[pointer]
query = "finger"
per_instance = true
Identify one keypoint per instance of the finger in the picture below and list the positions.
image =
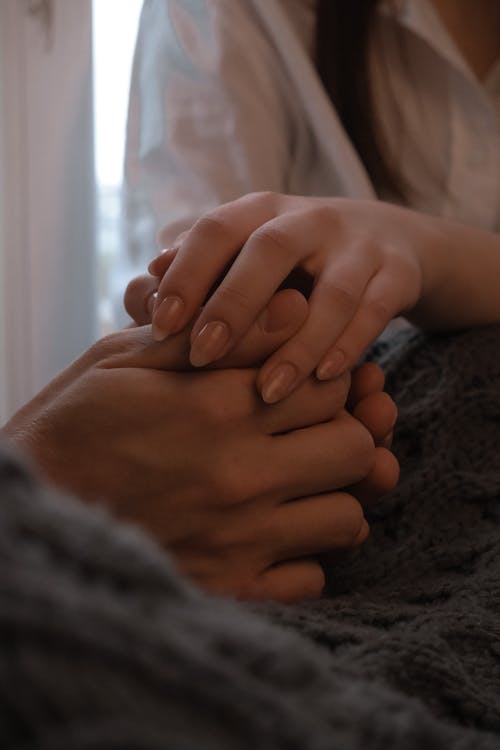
(378, 413)
(160, 265)
(310, 404)
(332, 305)
(139, 298)
(381, 480)
(135, 347)
(383, 300)
(263, 264)
(314, 525)
(282, 318)
(366, 379)
(203, 255)
(320, 458)
(289, 582)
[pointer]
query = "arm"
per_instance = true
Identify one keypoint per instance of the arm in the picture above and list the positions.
(460, 278)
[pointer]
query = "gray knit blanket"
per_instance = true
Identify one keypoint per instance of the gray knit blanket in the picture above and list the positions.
(104, 645)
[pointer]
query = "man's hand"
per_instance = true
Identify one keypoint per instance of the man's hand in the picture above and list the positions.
(283, 317)
(240, 492)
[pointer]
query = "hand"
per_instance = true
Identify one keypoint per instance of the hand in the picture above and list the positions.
(125, 350)
(284, 315)
(363, 258)
(140, 294)
(241, 493)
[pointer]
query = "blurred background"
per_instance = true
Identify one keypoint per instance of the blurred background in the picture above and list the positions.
(64, 77)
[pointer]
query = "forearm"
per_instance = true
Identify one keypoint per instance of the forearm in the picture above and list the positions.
(461, 276)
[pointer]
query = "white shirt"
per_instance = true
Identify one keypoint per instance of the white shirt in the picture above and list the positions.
(225, 100)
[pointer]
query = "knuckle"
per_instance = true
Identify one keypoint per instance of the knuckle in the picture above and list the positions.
(231, 296)
(326, 217)
(342, 294)
(379, 311)
(275, 239)
(228, 474)
(211, 227)
(215, 477)
(268, 198)
(240, 479)
(228, 482)
(110, 345)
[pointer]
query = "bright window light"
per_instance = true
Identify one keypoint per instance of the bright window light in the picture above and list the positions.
(114, 32)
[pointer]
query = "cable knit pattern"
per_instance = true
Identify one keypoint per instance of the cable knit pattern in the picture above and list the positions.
(418, 607)
(103, 645)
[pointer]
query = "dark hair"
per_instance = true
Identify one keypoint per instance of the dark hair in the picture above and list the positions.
(343, 36)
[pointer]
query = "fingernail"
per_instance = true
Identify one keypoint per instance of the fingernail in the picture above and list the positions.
(279, 383)
(331, 366)
(167, 317)
(209, 343)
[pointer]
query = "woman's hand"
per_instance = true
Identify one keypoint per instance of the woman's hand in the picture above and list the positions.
(281, 319)
(363, 258)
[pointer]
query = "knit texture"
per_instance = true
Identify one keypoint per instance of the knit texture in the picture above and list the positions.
(104, 645)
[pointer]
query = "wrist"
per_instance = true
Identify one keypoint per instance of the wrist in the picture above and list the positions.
(431, 253)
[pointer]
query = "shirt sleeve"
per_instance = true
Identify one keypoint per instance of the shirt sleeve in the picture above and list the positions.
(207, 117)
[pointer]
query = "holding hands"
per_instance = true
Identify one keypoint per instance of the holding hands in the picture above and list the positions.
(243, 495)
(361, 258)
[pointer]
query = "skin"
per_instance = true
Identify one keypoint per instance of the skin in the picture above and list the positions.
(366, 264)
(474, 28)
(369, 261)
(212, 477)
